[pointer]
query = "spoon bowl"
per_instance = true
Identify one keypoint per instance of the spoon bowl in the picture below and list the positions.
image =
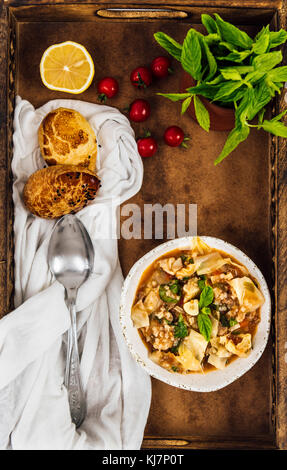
(71, 252)
(71, 260)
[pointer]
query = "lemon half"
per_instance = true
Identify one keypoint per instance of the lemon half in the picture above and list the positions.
(67, 67)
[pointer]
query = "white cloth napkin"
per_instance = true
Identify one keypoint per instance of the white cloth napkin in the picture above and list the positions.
(34, 408)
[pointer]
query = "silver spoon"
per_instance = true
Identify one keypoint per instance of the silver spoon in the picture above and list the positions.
(71, 260)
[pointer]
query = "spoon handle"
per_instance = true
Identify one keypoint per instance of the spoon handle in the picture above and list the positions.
(73, 381)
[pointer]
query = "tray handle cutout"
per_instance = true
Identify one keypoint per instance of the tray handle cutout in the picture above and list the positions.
(141, 13)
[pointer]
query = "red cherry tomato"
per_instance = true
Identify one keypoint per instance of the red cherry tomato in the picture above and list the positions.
(107, 88)
(139, 110)
(141, 77)
(147, 146)
(160, 66)
(173, 136)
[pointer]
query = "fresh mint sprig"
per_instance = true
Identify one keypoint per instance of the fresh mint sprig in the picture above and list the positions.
(231, 68)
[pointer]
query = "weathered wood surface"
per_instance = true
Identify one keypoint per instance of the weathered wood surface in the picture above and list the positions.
(258, 4)
(254, 386)
(281, 277)
(6, 212)
(211, 443)
(184, 12)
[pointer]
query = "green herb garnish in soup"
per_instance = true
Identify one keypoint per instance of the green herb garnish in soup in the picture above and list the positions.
(166, 293)
(180, 330)
(197, 309)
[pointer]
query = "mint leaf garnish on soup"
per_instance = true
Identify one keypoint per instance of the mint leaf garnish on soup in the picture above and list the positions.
(204, 325)
(206, 297)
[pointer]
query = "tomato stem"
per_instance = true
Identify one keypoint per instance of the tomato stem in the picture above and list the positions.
(102, 97)
(183, 143)
(140, 82)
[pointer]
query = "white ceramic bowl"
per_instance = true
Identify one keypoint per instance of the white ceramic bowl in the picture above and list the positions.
(198, 382)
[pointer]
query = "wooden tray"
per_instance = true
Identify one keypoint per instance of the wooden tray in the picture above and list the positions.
(243, 200)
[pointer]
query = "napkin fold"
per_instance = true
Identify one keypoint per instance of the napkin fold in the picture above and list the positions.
(34, 405)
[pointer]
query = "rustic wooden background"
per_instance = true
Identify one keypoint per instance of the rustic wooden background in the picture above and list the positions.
(249, 210)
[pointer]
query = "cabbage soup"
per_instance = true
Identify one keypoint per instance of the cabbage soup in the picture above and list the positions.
(197, 309)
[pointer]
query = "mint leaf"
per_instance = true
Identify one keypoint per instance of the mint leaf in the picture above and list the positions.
(239, 69)
(191, 55)
(227, 46)
(180, 330)
(175, 96)
(261, 115)
(254, 77)
(265, 62)
(233, 35)
(235, 137)
(215, 81)
(230, 74)
(206, 310)
(277, 38)
(274, 127)
(206, 297)
(263, 31)
(202, 115)
(169, 44)
(278, 75)
(236, 56)
(209, 23)
(209, 58)
(262, 96)
(232, 69)
(226, 89)
(185, 104)
(243, 111)
(279, 116)
(274, 87)
(236, 96)
(204, 89)
(261, 41)
(212, 39)
(242, 69)
(204, 325)
(201, 284)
